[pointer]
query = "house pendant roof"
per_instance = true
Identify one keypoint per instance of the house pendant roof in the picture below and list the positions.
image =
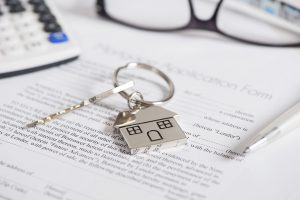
(143, 115)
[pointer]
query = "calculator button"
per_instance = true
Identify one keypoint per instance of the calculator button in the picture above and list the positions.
(4, 23)
(28, 30)
(47, 17)
(24, 21)
(9, 41)
(13, 50)
(31, 35)
(12, 2)
(58, 37)
(6, 38)
(52, 27)
(22, 16)
(16, 8)
(24, 26)
(6, 31)
(35, 45)
(41, 8)
(36, 2)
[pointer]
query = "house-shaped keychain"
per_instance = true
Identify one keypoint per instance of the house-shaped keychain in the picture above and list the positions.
(150, 128)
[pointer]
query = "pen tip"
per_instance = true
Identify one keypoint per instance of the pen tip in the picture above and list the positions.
(247, 150)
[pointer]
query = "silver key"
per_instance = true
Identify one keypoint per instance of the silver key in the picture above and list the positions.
(83, 103)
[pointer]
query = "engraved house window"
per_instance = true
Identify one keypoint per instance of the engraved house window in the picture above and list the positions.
(164, 124)
(134, 130)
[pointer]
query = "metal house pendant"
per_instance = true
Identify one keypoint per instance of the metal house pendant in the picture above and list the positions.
(149, 129)
(146, 126)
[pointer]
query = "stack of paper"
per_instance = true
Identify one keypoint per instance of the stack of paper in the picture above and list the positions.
(225, 93)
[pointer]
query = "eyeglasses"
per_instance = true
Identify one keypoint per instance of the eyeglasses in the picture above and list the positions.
(235, 19)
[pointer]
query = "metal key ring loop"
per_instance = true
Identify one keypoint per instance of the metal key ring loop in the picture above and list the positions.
(135, 65)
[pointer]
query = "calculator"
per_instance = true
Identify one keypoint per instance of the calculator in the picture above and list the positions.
(32, 37)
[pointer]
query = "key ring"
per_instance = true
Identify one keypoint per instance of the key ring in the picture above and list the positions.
(145, 126)
(141, 102)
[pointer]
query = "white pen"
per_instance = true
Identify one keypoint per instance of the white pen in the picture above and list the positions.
(282, 125)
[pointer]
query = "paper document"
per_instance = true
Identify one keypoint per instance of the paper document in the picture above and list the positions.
(225, 93)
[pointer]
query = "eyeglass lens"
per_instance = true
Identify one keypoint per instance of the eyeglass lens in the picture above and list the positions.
(243, 19)
(152, 14)
(240, 19)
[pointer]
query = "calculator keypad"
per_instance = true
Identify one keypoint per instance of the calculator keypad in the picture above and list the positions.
(27, 26)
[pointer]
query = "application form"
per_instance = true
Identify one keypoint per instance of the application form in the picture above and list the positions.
(225, 93)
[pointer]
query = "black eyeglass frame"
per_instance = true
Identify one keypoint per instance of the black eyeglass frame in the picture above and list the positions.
(194, 23)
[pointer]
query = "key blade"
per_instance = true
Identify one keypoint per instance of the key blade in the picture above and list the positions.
(53, 116)
(81, 104)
